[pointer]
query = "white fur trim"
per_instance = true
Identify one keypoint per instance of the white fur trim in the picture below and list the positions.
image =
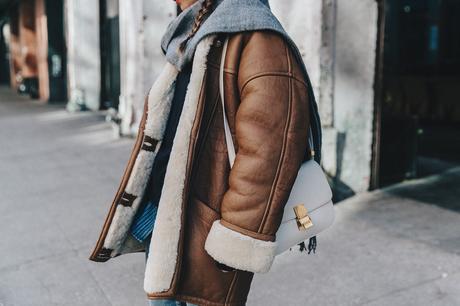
(136, 185)
(160, 98)
(159, 106)
(239, 251)
(161, 263)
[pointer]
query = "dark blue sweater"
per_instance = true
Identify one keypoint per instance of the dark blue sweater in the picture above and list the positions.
(153, 191)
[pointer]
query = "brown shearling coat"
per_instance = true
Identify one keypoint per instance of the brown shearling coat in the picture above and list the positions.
(208, 212)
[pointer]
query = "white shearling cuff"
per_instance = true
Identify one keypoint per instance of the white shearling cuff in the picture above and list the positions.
(239, 251)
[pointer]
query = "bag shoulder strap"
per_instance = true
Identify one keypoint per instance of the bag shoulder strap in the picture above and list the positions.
(228, 134)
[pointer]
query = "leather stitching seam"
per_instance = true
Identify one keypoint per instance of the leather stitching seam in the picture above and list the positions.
(273, 73)
(283, 150)
(252, 234)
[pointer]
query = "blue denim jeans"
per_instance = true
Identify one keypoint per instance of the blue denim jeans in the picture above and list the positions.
(161, 302)
(167, 303)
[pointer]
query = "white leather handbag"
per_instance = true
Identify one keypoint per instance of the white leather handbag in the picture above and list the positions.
(309, 209)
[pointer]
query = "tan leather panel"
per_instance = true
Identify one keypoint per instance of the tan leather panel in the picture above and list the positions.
(197, 265)
(260, 126)
(264, 52)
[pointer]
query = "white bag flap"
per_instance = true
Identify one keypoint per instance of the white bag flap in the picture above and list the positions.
(310, 188)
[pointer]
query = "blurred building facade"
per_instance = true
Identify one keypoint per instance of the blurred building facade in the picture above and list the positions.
(34, 44)
(89, 54)
(384, 72)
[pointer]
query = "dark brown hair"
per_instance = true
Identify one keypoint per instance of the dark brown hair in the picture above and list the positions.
(204, 11)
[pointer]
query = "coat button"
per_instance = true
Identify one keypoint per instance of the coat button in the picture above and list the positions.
(218, 43)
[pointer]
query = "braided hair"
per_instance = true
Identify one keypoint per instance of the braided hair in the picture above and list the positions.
(204, 11)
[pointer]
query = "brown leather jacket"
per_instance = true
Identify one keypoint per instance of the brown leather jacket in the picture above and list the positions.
(227, 216)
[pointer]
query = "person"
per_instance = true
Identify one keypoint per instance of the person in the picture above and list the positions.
(207, 227)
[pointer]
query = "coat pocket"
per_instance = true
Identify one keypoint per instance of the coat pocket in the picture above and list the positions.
(199, 270)
(202, 211)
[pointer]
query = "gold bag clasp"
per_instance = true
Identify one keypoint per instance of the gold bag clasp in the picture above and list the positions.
(303, 219)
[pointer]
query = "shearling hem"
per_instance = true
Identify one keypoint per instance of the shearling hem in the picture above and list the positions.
(239, 251)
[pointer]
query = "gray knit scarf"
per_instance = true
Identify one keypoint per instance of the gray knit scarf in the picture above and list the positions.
(231, 16)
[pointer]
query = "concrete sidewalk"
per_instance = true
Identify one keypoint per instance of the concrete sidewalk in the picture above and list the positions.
(59, 171)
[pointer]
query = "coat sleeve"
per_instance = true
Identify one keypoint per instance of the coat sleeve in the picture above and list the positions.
(271, 128)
